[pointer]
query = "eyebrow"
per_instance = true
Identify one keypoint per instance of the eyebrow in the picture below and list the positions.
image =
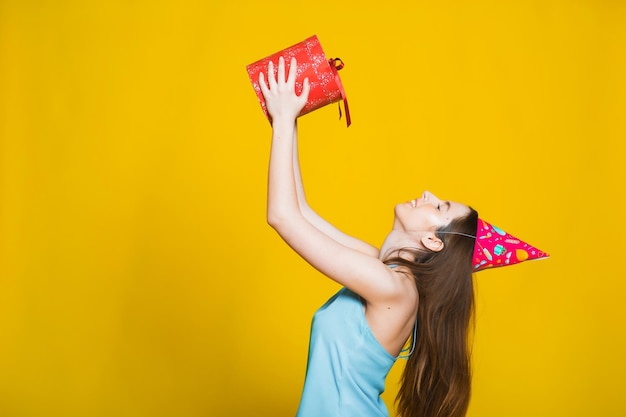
(447, 204)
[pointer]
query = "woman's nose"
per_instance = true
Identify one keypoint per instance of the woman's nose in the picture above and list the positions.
(429, 197)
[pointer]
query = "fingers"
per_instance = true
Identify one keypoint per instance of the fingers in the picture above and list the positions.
(293, 65)
(262, 84)
(274, 85)
(270, 75)
(280, 76)
(281, 70)
(306, 88)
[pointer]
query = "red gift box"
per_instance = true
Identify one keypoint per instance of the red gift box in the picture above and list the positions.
(326, 87)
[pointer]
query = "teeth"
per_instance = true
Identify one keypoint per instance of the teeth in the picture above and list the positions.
(413, 203)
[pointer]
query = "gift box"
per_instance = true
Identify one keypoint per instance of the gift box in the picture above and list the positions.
(323, 75)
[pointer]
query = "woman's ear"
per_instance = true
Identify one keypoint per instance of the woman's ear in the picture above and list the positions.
(432, 242)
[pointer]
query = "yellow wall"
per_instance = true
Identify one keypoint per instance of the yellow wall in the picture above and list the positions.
(138, 276)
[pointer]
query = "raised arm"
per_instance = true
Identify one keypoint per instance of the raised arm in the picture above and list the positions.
(325, 249)
(319, 222)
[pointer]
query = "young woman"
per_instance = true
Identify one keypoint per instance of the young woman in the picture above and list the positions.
(416, 290)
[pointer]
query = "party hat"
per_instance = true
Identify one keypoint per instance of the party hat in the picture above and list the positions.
(495, 247)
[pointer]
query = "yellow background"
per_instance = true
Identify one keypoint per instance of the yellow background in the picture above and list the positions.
(138, 276)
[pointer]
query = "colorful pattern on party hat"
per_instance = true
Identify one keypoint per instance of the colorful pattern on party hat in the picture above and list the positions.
(495, 247)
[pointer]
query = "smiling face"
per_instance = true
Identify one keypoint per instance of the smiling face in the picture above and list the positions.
(427, 213)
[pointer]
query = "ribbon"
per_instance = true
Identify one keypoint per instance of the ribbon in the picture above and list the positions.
(335, 65)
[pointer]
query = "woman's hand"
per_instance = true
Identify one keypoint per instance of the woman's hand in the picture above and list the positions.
(281, 99)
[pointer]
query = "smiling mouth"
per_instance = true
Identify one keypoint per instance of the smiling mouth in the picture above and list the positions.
(413, 203)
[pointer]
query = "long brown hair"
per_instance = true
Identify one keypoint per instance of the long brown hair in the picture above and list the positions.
(436, 381)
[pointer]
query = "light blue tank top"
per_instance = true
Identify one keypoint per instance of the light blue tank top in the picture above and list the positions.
(347, 366)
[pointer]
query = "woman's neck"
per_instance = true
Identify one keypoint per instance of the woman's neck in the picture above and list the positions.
(394, 242)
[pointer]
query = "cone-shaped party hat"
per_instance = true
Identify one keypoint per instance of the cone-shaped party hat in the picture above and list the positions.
(495, 247)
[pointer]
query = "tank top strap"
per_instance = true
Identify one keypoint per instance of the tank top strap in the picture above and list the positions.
(412, 347)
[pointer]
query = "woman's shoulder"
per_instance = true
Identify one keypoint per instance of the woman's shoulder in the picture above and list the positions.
(391, 320)
(401, 291)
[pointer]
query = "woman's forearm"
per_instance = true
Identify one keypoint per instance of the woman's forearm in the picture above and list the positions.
(302, 202)
(282, 198)
(315, 219)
